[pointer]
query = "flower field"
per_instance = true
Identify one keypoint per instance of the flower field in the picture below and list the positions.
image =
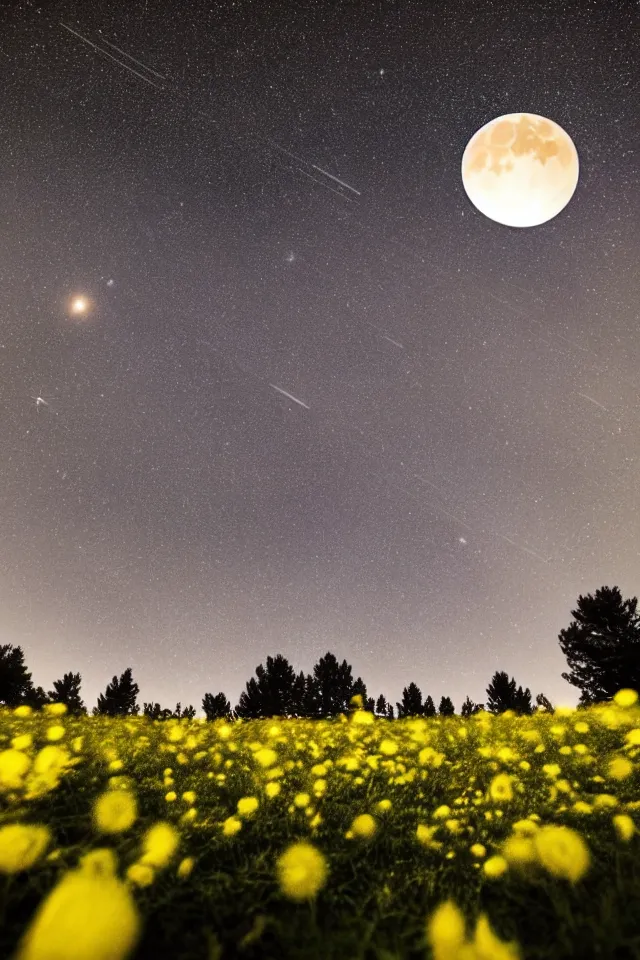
(486, 838)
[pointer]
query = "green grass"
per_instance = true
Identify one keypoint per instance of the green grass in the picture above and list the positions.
(379, 892)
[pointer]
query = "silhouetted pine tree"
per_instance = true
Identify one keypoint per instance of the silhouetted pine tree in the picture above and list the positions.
(270, 694)
(446, 708)
(119, 699)
(543, 703)
(411, 704)
(522, 701)
(469, 708)
(360, 687)
(602, 645)
(154, 711)
(188, 713)
(389, 711)
(67, 691)
(335, 683)
(15, 680)
(381, 706)
(311, 698)
(217, 707)
(502, 695)
(429, 707)
(35, 697)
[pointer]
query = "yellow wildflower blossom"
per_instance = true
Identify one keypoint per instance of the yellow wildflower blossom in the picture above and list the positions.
(302, 871)
(21, 844)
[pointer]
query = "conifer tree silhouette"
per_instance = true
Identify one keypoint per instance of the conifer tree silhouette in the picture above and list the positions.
(411, 704)
(119, 699)
(602, 645)
(67, 691)
(446, 708)
(270, 693)
(429, 707)
(217, 707)
(15, 679)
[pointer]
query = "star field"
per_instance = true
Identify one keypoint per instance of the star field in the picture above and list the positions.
(298, 394)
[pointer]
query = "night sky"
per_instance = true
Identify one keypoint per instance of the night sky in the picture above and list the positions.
(463, 461)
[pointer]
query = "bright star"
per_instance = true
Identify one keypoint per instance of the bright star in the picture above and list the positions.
(79, 305)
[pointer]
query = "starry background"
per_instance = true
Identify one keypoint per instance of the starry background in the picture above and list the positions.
(438, 508)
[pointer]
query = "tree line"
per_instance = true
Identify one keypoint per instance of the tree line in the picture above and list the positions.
(601, 645)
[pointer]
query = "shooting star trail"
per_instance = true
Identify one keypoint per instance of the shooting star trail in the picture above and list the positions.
(591, 400)
(519, 546)
(325, 185)
(394, 342)
(289, 395)
(341, 182)
(140, 64)
(105, 53)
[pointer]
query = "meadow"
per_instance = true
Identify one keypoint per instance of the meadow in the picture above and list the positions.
(486, 838)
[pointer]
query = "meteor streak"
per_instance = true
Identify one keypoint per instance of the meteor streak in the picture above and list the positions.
(289, 395)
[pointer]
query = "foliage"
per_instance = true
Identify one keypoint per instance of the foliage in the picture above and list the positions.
(446, 707)
(411, 705)
(67, 691)
(602, 645)
(15, 680)
(502, 695)
(120, 697)
(492, 835)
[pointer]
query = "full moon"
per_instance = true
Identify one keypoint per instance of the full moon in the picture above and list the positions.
(520, 169)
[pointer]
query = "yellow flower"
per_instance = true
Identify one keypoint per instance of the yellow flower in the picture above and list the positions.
(384, 805)
(302, 871)
(620, 768)
(189, 796)
(55, 709)
(625, 827)
(56, 733)
(364, 826)
(425, 836)
(363, 718)
(478, 850)
(519, 849)
(446, 931)
(160, 842)
(302, 800)
(487, 946)
(495, 866)
(266, 757)
(500, 788)
(140, 874)
(85, 917)
(603, 801)
(231, 826)
(388, 747)
(633, 737)
(272, 790)
(626, 698)
(115, 811)
(247, 806)
(442, 812)
(21, 844)
(185, 867)
(562, 852)
(23, 711)
(13, 766)
(22, 742)
(171, 796)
